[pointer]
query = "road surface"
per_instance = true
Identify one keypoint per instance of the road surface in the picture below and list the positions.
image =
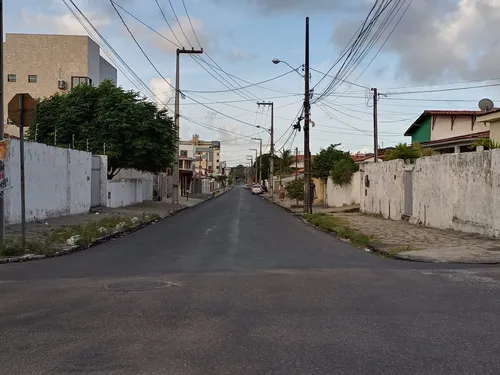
(239, 286)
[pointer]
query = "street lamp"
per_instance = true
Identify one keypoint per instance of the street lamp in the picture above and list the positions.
(277, 61)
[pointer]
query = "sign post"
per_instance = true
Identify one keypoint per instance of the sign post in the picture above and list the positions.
(21, 112)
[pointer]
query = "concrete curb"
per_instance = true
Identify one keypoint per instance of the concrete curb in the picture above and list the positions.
(106, 238)
(370, 248)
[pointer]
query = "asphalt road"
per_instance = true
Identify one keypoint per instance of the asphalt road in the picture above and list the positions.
(239, 286)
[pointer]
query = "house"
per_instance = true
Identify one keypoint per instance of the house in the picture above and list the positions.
(448, 131)
(492, 118)
(186, 165)
(43, 65)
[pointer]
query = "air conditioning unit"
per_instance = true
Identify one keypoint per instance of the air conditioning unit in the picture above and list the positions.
(61, 84)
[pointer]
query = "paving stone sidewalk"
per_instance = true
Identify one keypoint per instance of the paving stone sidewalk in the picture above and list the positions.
(403, 240)
(35, 229)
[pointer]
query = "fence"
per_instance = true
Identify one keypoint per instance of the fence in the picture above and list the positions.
(338, 196)
(61, 182)
(57, 182)
(452, 191)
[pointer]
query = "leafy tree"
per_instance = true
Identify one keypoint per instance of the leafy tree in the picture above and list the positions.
(342, 171)
(266, 165)
(286, 162)
(238, 173)
(295, 189)
(132, 130)
(424, 151)
(324, 161)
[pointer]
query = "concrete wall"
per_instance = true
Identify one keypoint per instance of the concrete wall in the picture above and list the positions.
(382, 189)
(93, 62)
(459, 191)
(107, 71)
(338, 196)
(57, 182)
(123, 193)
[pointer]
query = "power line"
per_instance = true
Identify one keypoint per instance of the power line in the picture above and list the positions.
(443, 90)
(189, 19)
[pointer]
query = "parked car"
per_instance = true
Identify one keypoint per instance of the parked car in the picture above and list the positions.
(257, 189)
(247, 187)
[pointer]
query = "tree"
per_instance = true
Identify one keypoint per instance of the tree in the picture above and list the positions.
(238, 173)
(285, 162)
(266, 165)
(132, 130)
(402, 151)
(324, 161)
(487, 143)
(295, 189)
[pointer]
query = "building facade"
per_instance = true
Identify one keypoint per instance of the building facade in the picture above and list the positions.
(207, 157)
(448, 131)
(43, 65)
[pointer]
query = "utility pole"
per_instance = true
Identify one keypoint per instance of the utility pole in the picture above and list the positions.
(251, 164)
(375, 125)
(260, 158)
(271, 172)
(296, 157)
(2, 218)
(175, 189)
(307, 118)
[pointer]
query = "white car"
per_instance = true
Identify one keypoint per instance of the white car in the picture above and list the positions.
(257, 189)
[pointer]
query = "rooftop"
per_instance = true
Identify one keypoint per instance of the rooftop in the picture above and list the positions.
(433, 112)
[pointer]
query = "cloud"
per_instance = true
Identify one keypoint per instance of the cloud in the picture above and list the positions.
(163, 92)
(273, 7)
(237, 55)
(442, 40)
(183, 35)
(61, 23)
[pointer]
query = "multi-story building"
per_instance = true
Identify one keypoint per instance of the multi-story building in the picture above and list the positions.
(207, 156)
(43, 65)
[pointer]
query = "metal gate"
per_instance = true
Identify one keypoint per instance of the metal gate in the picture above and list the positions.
(95, 182)
(408, 186)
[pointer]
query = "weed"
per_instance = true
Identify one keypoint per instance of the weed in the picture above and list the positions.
(340, 227)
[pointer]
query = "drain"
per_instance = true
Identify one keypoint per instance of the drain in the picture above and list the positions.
(141, 285)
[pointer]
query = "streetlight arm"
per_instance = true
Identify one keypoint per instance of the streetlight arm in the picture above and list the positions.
(277, 61)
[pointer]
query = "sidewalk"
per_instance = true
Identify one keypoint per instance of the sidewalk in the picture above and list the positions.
(48, 237)
(402, 240)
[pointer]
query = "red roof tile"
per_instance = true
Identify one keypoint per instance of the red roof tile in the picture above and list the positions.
(479, 135)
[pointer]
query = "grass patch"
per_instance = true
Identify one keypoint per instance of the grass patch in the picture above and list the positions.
(340, 227)
(54, 240)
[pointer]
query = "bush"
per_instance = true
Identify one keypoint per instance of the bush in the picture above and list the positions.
(343, 170)
(295, 189)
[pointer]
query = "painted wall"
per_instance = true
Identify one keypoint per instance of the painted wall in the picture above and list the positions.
(462, 126)
(57, 182)
(338, 196)
(423, 132)
(382, 191)
(107, 71)
(123, 193)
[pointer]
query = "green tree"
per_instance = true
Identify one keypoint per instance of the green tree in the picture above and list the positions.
(238, 173)
(285, 166)
(402, 151)
(266, 165)
(487, 143)
(295, 189)
(336, 164)
(132, 130)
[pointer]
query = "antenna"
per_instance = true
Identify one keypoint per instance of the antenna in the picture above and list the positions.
(485, 105)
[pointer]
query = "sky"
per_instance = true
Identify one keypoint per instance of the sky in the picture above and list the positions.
(437, 45)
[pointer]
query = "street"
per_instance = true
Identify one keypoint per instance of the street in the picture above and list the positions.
(238, 285)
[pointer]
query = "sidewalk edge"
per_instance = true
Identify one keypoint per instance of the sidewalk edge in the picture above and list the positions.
(106, 238)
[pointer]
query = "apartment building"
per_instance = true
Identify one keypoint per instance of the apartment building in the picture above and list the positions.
(206, 156)
(43, 65)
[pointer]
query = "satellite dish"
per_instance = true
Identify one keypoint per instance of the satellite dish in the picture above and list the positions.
(485, 105)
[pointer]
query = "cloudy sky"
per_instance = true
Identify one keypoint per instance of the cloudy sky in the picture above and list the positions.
(439, 44)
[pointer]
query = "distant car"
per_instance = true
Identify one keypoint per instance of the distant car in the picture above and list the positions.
(257, 189)
(247, 186)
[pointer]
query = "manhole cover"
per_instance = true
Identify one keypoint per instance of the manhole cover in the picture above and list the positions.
(139, 285)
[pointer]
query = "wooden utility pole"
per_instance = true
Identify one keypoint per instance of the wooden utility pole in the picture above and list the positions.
(271, 172)
(175, 189)
(307, 118)
(375, 125)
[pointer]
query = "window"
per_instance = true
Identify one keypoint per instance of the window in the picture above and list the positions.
(32, 78)
(184, 153)
(217, 160)
(11, 78)
(75, 81)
